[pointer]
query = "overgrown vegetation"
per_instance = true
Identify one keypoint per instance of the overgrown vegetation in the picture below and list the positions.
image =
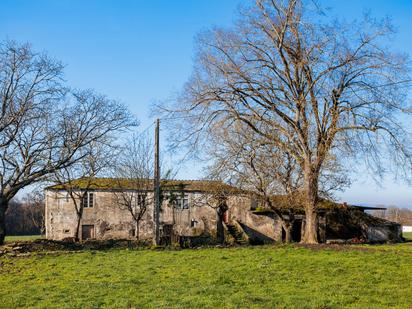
(253, 277)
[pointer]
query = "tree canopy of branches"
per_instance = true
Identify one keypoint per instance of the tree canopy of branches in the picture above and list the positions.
(268, 173)
(135, 164)
(96, 159)
(310, 87)
(44, 126)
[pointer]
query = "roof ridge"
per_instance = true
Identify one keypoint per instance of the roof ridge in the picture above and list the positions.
(116, 183)
(126, 178)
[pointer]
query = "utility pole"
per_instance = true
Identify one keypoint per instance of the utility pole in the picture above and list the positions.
(157, 185)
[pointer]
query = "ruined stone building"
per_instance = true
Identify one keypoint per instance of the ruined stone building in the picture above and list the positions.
(198, 210)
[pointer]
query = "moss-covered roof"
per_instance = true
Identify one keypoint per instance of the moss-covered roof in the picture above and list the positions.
(282, 202)
(146, 184)
(210, 186)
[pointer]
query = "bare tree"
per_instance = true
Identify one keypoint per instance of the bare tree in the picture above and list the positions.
(271, 175)
(310, 87)
(395, 214)
(268, 174)
(44, 127)
(216, 195)
(78, 179)
(133, 172)
(35, 208)
(26, 216)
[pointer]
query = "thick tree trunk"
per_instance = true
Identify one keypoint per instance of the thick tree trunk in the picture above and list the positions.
(310, 199)
(311, 227)
(3, 208)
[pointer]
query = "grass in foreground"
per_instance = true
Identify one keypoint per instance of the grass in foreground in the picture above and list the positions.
(253, 277)
(22, 238)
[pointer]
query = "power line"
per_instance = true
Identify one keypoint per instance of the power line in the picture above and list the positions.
(179, 117)
(145, 130)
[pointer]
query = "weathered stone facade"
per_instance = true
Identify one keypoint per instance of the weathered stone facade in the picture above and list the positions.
(199, 218)
(108, 220)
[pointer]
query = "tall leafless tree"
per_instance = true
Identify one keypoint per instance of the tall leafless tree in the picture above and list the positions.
(78, 179)
(310, 87)
(134, 173)
(44, 126)
(272, 176)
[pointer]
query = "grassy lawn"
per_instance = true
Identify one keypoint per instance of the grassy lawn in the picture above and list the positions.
(407, 235)
(254, 277)
(22, 238)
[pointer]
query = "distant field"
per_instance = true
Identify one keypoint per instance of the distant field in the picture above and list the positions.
(22, 238)
(251, 277)
(407, 235)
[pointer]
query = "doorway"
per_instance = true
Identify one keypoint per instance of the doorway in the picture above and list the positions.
(297, 231)
(87, 232)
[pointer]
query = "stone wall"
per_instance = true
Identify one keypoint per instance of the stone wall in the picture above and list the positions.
(258, 228)
(109, 221)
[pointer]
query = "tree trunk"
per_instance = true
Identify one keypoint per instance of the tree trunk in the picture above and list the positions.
(310, 199)
(220, 231)
(288, 233)
(137, 230)
(76, 235)
(311, 227)
(3, 208)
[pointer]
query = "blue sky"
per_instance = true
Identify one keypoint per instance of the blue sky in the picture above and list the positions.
(141, 52)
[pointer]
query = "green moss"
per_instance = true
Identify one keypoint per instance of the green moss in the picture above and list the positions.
(145, 184)
(260, 210)
(251, 277)
(22, 238)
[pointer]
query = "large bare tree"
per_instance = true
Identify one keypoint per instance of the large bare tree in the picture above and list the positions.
(307, 85)
(272, 176)
(43, 125)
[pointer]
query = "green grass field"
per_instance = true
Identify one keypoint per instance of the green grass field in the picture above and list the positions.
(252, 277)
(408, 235)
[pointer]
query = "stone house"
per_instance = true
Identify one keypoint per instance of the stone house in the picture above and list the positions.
(192, 211)
(197, 209)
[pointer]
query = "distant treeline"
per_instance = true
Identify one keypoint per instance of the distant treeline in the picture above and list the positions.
(395, 214)
(26, 216)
